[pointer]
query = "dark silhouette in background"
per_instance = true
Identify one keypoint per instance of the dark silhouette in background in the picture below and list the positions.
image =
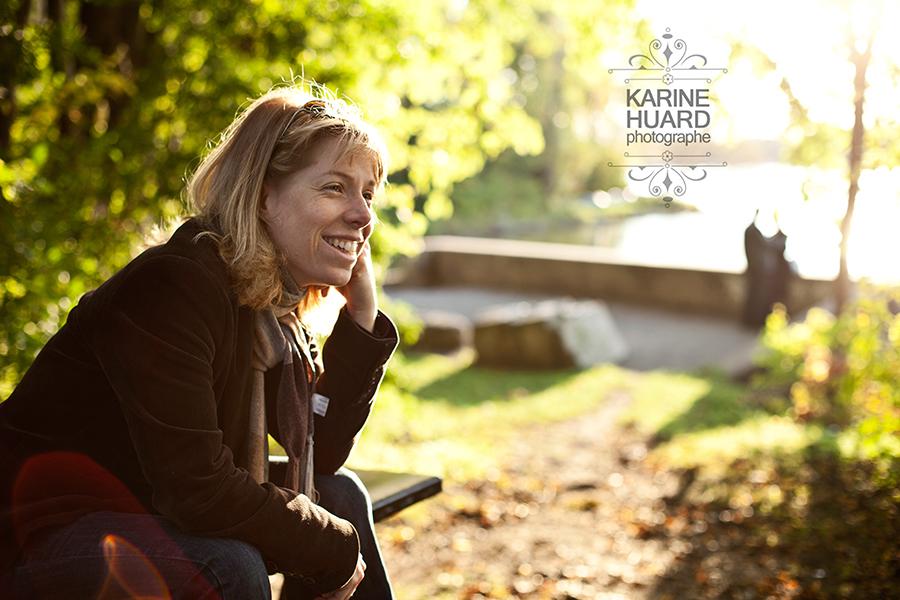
(768, 273)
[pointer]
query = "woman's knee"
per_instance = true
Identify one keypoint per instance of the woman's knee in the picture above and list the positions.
(344, 493)
(237, 570)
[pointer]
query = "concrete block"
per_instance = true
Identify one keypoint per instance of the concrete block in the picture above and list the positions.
(443, 332)
(551, 334)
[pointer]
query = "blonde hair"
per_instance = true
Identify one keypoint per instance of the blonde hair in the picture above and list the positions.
(271, 139)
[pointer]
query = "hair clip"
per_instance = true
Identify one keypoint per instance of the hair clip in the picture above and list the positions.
(315, 108)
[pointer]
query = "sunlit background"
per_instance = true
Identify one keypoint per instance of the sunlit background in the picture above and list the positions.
(760, 455)
(752, 129)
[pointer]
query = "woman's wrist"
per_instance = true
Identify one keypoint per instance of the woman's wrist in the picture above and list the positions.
(364, 317)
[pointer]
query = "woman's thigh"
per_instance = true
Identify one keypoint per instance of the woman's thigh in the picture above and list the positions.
(111, 555)
(345, 495)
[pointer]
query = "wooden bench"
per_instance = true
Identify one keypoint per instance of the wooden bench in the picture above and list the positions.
(390, 492)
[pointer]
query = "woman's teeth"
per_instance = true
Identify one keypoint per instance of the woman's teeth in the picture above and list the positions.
(347, 246)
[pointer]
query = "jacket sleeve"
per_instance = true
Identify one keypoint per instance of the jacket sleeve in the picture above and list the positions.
(157, 341)
(354, 361)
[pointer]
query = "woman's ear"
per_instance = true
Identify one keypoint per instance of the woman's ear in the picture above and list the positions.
(264, 204)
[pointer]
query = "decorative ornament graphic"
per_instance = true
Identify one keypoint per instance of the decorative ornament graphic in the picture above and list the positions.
(667, 62)
(666, 181)
(682, 61)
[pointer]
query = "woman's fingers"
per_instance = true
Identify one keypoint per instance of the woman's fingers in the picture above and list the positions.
(349, 588)
(358, 575)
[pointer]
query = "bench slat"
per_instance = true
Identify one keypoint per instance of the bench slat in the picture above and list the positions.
(391, 492)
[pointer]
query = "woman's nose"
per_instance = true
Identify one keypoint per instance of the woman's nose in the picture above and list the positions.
(359, 214)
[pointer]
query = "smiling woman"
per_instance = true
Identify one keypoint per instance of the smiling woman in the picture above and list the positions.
(324, 154)
(139, 435)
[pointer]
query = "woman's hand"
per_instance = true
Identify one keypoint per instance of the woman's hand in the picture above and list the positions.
(349, 588)
(360, 291)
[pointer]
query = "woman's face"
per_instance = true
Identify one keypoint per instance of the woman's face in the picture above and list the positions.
(321, 216)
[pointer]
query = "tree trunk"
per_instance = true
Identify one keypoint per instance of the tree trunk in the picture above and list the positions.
(554, 102)
(860, 63)
(11, 53)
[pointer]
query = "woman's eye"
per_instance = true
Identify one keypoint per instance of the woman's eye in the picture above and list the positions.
(334, 187)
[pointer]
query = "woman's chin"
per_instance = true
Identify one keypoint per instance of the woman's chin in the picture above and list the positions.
(337, 280)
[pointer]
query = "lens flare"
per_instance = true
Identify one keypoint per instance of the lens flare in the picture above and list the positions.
(131, 574)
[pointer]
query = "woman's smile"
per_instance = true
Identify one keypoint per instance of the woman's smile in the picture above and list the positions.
(348, 247)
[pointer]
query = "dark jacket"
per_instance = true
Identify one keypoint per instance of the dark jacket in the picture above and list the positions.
(140, 403)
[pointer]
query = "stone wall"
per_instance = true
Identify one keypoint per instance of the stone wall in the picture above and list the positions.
(586, 272)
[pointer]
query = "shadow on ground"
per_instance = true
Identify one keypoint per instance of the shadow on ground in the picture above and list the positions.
(724, 405)
(806, 525)
(476, 385)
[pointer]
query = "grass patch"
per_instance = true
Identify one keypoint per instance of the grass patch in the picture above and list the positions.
(710, 421)
(442, 415)
(674, 404)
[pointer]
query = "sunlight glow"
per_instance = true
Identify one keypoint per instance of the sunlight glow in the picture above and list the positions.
(810, 44)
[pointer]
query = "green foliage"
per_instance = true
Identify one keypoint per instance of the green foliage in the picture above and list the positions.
(107, 106)
(842, 373)
(508, 188)
(558, 79)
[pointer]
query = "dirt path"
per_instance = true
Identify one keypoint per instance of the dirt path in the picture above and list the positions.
(571, 515)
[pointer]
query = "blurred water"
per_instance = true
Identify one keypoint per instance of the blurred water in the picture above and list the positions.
(808, 203)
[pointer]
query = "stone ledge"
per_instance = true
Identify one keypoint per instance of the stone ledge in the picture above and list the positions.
(588, 272)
